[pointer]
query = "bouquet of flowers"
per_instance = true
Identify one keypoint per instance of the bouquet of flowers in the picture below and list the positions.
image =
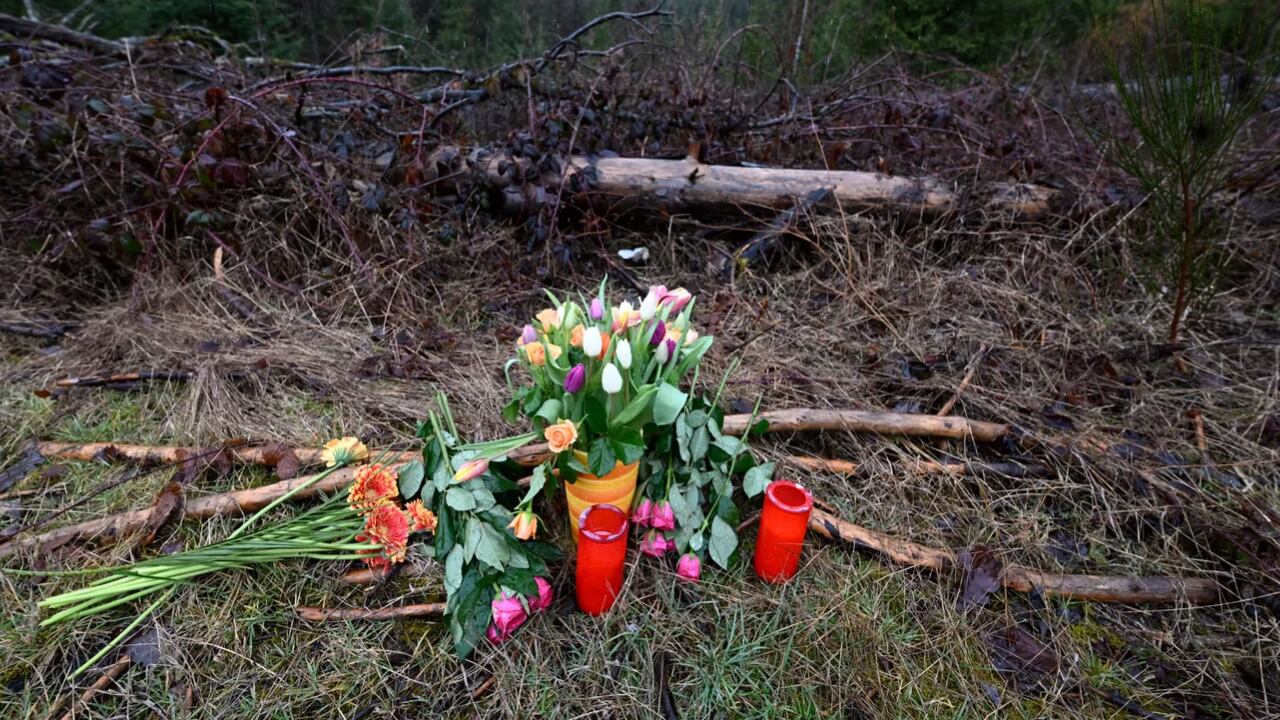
(604, 379)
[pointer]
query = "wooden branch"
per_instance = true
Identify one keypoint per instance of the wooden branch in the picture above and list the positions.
(1099, 588)
(49, 331)
(686, 184)
(370, 576)
(883, 423)
(158, 454)
(923, 467)
(21, 27)
(316, 614)
(108, 676)
(114, 527)
(130, 377)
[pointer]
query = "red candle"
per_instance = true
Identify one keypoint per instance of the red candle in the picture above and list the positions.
(602, 551)
(783, 523)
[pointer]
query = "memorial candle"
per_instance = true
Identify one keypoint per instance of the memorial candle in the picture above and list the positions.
(783, 523)
(602, 552)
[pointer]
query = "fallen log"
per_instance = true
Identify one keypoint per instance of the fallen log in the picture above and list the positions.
(923, 467)
(686, 184)
(317, 614)
(1099, 588)
(114, 527)
(885, 423)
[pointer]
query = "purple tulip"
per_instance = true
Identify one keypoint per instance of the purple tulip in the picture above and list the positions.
(528, 335)
(576, 378)
(659, 333)
(597, 309)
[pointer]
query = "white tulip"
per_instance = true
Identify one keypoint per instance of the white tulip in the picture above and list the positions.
(690, 337)
(623, 354)
(611, 380)
(592, 343)
(662, 353)
(649, 306)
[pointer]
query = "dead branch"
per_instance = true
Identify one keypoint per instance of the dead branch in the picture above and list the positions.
(114, 527)
(369, 576)
(22, 27)
(923, 467)
(130, 377)
(883, 423)
(420, 610)
(163, 454)
(108, 676)
(1099, 588)
(51, 331)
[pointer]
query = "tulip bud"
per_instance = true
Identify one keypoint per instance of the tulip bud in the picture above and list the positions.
(528, 335)
(662, 354)
(649, 306)
(623, 354)
(597, 309)
(689, 568)
(690, 337)
(471, 470)
(611, 380)
(676, 299)
(576, 378)
(592, 342)
(659, 333)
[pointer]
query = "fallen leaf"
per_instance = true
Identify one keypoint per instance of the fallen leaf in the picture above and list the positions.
(1014, 650)
(20, 469)
(144, 648)
(167, 507)
(287, 465)
(982, 575)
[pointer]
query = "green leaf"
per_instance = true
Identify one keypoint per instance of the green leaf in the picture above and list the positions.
(696, 541)
(601, 458)
(760, 427)
(698, 444)
(633, 409)
(453, 570)
(679, 507)
(411, 475)
(484, 499)
(536, 482)
(597, 414)
(550, 411)
(628, 445)
(475, 534)
(493, 549)
(460, 499)
(668, 403)
(697, 418)
(723, 542)
(757, 479)
(511, 411)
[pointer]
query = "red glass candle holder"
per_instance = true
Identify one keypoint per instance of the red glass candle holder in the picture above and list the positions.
(783, 523)
(602, 552)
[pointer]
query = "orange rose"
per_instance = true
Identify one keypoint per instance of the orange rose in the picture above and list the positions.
(524, 525)
(575, 336)
(561, 436)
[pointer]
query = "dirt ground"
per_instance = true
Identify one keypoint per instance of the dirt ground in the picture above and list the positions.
(313, 284)
(874, 318)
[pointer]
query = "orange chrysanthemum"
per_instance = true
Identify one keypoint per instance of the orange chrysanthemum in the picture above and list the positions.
(374, 486)
(388, 526)
(423, 520)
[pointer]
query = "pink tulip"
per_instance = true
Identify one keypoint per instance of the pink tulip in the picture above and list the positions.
(663, 517)
(689, 568)
(676, 299)
(471, 470)
(655, 544)
(643, 515)
(597, 309)
(508, 613)
(545, 595)
(528, 335)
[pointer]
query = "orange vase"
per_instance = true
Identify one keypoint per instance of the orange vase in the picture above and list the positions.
(618, 488)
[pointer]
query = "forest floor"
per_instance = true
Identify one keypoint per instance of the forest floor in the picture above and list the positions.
(872, 321)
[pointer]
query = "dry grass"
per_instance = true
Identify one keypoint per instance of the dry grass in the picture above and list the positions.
(1068, 341)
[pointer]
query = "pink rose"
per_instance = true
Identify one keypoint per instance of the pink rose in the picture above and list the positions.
(655, 544)
(689, 568)
(642, 516)
(508, 613)
(543, 601)
(663, 517)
